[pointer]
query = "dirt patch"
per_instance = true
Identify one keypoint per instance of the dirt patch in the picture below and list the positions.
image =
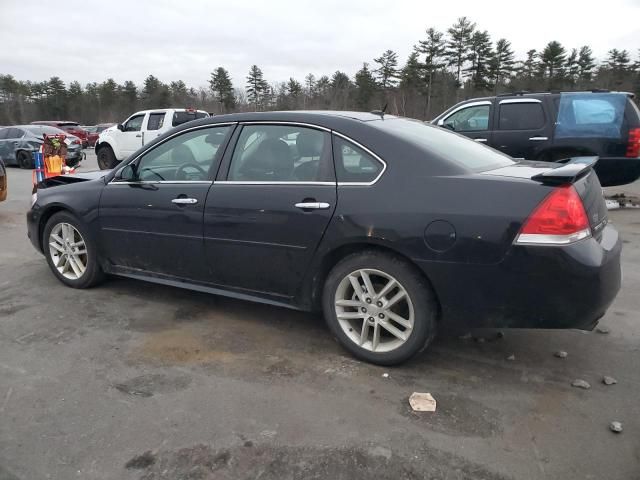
(249, 461)
(148, 385)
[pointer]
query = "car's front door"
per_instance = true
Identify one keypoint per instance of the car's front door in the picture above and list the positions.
(472, 120)
(130, 138)
(151, 212)
(268, 210)
(522, 128)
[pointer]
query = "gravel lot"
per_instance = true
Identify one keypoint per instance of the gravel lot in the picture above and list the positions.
(138, 381)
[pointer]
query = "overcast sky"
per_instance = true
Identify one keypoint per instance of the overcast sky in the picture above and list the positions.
(128, 40)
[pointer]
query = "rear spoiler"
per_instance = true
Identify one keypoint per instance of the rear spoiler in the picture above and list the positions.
(572, 169)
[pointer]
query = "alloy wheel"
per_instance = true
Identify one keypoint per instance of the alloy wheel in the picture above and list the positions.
(374, 310)
(68, 251)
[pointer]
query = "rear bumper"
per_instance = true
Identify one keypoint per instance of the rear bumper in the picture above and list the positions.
(614, 171)
(533, 287)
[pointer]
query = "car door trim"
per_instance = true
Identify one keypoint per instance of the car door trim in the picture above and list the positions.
(519, 100)
(148, 182)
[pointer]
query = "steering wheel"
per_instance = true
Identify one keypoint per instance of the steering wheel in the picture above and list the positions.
(181, 174)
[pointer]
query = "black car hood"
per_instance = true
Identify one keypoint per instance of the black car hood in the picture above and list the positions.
(73, 178)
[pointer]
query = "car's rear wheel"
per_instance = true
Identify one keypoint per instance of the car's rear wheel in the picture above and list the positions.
(379, 307)
(71, 252)
(24, 159)
(106, 158)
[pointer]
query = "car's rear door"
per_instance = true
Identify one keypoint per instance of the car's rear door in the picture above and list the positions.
(151, 212)
(523, 127)
(269, 209)
(154, 126)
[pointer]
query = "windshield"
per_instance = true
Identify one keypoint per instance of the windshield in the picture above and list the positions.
(183, 117)
(447, 145)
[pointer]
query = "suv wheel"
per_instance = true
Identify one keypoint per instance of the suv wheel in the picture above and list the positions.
(24, 159)
(71, 253)
(379, 308)
(106, 158)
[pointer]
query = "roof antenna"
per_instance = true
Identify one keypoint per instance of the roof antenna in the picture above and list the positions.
(381, 112)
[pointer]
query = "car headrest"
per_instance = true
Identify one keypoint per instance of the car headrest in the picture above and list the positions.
(272, 160)
(309, 143)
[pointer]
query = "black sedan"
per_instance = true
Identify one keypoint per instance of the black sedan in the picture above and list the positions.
(17, 144)
(390, 226)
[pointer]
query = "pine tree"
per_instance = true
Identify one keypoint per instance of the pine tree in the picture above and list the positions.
(571, 68)
(502, 63)
(586, 64)
(387, 72)
(433, 48)
(294, 91)
(458, 45)
(552, 62)
(257, 88)
(222, 88)
(365, 87)
(480, 56)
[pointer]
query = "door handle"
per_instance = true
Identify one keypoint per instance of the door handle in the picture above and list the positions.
(481, 140)
(312, 205)
(538, 139)
(138, 135)
(184, 201)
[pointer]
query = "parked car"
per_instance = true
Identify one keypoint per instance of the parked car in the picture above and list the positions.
(392, 227)
(3, 181)
(117, 143)
(72, 128)
(18, 143)
(556, 126)
(94, 131)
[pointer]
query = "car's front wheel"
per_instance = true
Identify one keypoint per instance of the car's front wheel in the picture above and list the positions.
(379, 307)
(106, 158)
(71, 252)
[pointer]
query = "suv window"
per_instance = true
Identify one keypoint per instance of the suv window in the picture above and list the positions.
(134, 124)
(190, 156)
(591, 115)
(183, 117)
(156, 120)
(521, 116)
(281, 153)
(353, 164)
(469, 119)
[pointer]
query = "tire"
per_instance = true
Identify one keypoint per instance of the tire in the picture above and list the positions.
(84, 278)
(417, 309)
(106, 158)
(24, 160)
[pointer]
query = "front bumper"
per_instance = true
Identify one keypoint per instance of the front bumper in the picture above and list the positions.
(33, 227)
(533, 286)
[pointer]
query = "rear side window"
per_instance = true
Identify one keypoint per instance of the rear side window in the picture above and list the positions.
(14, 133)
(156, 120)
(3, 133)
(183, 117)
(353, 164)
(590, 115)
(521, 116)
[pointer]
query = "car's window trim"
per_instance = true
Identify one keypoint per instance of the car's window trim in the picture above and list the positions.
(478, 103)
(115, 181)
(367, 150)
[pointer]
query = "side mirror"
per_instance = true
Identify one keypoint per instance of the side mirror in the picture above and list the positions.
(449, 126)
(129, 173)
(120, 127)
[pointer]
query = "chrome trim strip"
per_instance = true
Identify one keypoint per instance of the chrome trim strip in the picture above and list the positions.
(284, 122)
(150, 182)
(550, 240)
(384, 164)
(538, 139)
(520, 100)
(462, 107)
(257, 182)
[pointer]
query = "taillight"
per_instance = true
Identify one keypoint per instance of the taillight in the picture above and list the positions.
(560, 219)
(633, 147)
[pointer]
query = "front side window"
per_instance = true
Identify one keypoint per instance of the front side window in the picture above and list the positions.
(521, 116)
(353, 164)
(134, 124)
(191, 156)
(156, 120)
(470, 119)
(281, 153)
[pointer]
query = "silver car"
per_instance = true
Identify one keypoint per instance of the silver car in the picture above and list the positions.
(17, 144)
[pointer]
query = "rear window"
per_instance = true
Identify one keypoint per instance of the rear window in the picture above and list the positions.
(590, 115)
(183, 117)
(447, 145)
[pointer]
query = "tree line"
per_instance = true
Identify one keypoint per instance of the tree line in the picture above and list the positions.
(442, 69)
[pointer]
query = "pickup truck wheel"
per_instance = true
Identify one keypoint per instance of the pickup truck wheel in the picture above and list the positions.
(24, 159)
(106, 158)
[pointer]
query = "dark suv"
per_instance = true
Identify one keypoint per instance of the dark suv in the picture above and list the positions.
(555, 126)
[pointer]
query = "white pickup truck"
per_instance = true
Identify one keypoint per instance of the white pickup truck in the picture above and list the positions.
(118, 142)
